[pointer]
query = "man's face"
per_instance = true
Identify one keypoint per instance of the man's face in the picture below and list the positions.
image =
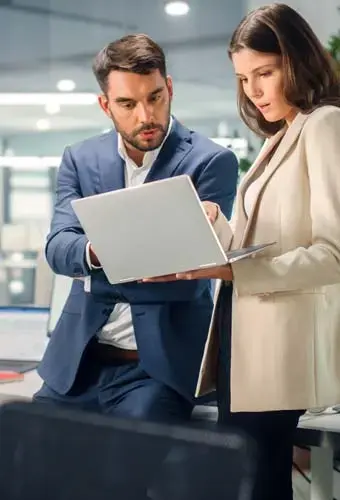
(139, 106)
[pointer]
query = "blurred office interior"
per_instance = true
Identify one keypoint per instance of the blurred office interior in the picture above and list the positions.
(48, 100)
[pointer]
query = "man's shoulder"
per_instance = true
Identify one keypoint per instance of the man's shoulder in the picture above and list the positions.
(203, 144)
(92, 144)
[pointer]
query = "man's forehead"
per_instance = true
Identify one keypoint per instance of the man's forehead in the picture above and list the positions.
(133, 85)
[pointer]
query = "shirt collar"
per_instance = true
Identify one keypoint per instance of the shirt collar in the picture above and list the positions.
(150, 156)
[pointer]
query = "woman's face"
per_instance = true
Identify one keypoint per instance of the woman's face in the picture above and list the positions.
(261, 77)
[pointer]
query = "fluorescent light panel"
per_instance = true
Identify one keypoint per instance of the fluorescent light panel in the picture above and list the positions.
(38, 99)
(29, 162)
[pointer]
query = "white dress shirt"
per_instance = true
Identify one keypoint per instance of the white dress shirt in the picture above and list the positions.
(119, 331)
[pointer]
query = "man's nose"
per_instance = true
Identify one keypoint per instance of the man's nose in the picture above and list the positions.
(145, 113)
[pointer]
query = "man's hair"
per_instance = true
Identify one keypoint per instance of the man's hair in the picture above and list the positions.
(132, 54)
(309, 76)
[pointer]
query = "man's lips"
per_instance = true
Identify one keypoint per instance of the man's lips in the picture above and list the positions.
(149, 133)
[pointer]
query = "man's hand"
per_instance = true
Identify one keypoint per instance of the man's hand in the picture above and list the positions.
(93, 258)
(212, 210)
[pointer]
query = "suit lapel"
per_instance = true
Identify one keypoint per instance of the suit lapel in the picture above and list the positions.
(110, 164)
(288, 138)
(176, 147)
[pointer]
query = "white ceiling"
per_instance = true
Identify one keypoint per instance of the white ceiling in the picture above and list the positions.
(43, 41)
(51, 40)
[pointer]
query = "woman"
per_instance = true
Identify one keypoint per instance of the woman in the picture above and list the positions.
(285, 336)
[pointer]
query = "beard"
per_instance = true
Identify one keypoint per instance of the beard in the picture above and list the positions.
(135, 141)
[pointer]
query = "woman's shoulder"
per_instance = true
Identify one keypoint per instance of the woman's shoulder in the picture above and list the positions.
(327, 112)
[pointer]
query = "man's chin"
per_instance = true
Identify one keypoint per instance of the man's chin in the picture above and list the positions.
(148, 145)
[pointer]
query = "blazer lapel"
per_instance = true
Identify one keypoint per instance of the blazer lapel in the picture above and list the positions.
(176, 147)
(288, 138)
(255, 170)
(110, 164)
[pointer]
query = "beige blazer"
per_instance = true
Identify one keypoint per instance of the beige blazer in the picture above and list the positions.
(286, 304)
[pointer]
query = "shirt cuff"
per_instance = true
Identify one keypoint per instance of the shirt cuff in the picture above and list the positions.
(88, 258)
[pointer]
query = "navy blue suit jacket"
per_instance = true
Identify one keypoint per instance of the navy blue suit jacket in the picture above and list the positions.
(171, 320)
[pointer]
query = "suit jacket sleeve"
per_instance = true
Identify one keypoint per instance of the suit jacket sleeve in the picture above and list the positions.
(66, 243)
(218, 181)
(319, 264)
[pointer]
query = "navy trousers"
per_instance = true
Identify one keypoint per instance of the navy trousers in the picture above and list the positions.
(124, 390)
(120, 389)
(272, 431)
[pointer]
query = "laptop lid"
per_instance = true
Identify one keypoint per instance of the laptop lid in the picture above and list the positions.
(60, 454)
(155, 229)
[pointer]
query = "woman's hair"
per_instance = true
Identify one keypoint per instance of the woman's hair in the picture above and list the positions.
(309, 76)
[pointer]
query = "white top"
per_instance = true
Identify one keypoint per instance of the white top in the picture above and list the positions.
(251, 194)
(119, 331)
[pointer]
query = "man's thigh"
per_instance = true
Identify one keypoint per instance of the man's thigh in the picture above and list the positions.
(131, 393)
(87, 400)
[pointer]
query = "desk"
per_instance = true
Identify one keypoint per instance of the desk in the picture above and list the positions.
(320, 433)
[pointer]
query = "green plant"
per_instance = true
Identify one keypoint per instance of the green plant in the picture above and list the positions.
(244, 165)
(333, 48)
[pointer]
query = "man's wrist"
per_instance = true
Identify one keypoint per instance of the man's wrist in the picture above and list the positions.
(91, 258)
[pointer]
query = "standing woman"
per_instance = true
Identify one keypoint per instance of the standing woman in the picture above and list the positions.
(282, 353)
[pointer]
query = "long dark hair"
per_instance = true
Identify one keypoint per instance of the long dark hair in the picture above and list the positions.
(310, 78)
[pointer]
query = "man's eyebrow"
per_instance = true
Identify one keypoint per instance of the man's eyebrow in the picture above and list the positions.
(123, 99)
(130, 99)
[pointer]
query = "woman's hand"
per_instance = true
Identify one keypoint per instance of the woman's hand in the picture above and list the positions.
(224, 273)
(212, 210)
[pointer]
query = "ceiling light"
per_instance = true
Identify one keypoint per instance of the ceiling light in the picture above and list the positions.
(52, 108)
(29, 162)
(177, 8)
(66, 85)
(39, 99)
(43, 124)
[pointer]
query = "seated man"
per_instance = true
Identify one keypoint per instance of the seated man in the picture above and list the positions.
(132, 350)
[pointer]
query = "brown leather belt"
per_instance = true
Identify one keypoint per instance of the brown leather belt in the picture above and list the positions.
(109, 353)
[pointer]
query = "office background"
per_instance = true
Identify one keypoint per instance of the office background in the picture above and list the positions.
(48, 100)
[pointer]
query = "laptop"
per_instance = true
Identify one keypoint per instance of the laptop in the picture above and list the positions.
(155, 229)
(59, 454)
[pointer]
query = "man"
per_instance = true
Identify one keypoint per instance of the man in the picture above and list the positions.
(132, 350)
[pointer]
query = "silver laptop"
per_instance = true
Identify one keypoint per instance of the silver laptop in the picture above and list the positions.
(154, 229)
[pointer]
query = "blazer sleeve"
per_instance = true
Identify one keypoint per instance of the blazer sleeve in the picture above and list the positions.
(223, 230)
(218, 181)
(65, 247)
(319, 264)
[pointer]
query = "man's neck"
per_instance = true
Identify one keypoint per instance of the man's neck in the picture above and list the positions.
(135, 155)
